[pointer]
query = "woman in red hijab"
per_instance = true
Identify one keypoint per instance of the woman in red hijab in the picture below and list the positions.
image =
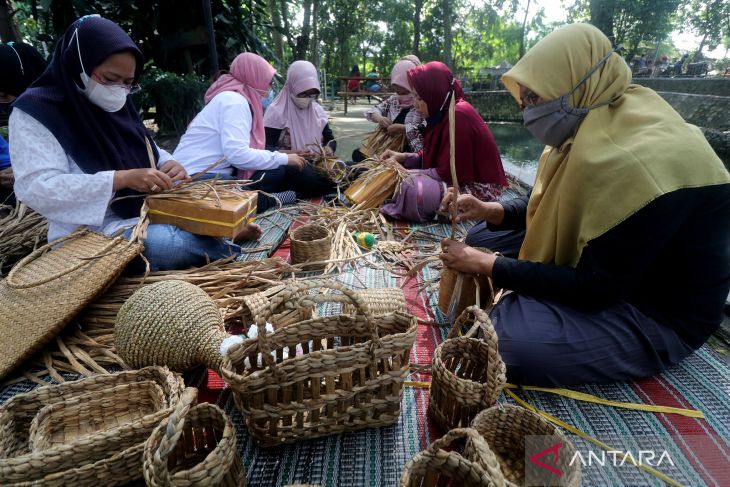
(478, 165)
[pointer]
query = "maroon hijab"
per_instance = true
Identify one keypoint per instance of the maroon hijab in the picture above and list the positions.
(477, 156)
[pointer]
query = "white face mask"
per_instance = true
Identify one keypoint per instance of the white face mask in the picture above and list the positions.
(108, 98)
(302, 102)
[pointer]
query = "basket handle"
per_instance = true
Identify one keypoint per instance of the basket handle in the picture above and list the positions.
(174, 428)
(295, 295)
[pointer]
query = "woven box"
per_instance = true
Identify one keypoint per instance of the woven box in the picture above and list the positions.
(215, 215)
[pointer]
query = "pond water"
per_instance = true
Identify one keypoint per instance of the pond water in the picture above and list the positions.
(518, 148)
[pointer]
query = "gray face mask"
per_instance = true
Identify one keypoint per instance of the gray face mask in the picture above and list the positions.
(553, 122)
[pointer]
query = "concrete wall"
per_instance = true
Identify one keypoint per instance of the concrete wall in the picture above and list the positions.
(702, 110)
(697, 86)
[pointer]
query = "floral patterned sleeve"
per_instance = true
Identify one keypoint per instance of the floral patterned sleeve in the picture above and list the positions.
(383, 108)
(414, 136)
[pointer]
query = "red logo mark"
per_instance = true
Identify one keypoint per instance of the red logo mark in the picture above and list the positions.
(556, 454)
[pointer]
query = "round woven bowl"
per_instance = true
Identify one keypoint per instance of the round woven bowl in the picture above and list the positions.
(172, 323)
(505, 427)
(310, 243)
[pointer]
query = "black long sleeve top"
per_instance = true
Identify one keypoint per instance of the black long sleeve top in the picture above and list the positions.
(670, 259)
(272, 138)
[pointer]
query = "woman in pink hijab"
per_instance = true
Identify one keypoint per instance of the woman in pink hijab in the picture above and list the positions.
(396, 114)
(231, 127)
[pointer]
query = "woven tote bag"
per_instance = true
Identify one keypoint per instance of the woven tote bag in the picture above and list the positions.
(46, 289)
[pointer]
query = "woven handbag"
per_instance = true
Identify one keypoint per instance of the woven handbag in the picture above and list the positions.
(321, 376)
(81, 435)
(505, 426)
(195, 446)
(467, 374)
(46, 289)
(475, 466)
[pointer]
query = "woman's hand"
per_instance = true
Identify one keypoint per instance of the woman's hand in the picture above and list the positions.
(7, 179)
(462, 258)
(174, 170)
(384, 122)
(396, 128)
(399, 157)
(142, 180)
(470, 208)
(296, 161)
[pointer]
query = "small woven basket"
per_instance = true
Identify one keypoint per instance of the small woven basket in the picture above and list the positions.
(505, 426)
(195, 446)
(321, 376)
(102, 459)
(380, 301)
(172, 323)
(458, 291)
(476, 466)
(467, 374)
(310, 243)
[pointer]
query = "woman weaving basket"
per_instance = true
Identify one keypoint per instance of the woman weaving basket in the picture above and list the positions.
(478, 164)
(620, 258)
(81, 154)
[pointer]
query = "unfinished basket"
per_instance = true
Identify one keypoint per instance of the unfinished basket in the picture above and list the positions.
(458, 290)
(321, 376)
(380, 301)
(468, 373)
(380, 140)
(106, 459)
(310, 243)
(195, 446)
(476, 466)
(172, 323)
(505, 426)
(372, 188)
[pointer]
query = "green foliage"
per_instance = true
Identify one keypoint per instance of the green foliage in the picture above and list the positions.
(709, 19)
(176, 99)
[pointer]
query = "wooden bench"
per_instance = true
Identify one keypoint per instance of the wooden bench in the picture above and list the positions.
(379, 95)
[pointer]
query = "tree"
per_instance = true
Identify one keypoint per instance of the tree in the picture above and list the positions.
(709, 19)
(418, 7)
(8, 27)
(448, 56)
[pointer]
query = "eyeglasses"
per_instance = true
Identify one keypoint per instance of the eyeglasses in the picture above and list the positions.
(529, 100)
(311, 97)
(131, 88)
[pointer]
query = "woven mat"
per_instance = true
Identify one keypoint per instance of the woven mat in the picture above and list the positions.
(275, 224)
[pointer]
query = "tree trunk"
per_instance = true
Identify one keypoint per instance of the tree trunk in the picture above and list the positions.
(276, 35)
(448, 59)
(287, 29)
(602, 16)
(8, 29)
(698, 54)
(524, 25)
(303, 39)
(417, 27)
(315, 34)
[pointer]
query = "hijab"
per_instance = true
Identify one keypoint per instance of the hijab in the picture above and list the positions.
(624, 154)
(477, 156)
(95, 139)
(250, 76)
(305, 125)
(21, 65)
(399, 76)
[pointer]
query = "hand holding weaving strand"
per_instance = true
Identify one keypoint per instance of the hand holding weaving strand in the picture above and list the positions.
(174, 170)
(460, 257)
(396, 128)
(142, 180)
(470, 208)
(384, 122)
(7, 179)
(399, 157)
(295, 161)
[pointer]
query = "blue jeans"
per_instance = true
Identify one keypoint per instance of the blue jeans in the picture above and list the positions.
(168, 248)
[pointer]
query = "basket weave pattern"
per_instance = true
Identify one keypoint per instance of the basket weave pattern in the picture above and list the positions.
(467, 374)
(310, 243)
(195, 446)
(103, 458)
(342, 372)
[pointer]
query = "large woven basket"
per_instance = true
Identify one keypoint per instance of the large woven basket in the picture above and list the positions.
(310, 243)
(172, 323)
(106, 458)
(505, 427)
(340, 373)
(46, 289)
(475, 466)
(195, 446)
(468, 374)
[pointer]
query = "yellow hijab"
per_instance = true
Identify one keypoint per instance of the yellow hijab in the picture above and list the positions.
(623, 156)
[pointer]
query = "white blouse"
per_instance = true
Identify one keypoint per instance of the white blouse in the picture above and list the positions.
(49, 181)
(223, 129)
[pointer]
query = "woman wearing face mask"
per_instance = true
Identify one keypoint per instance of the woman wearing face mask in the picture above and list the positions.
(231, 127)
(478, 164)
(296, 123)
(396, 114)
(620, 258)
(20, 64)
(78, 146)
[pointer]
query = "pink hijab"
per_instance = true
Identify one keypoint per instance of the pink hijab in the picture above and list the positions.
(305, 125)
(250, 75)
(399, 75)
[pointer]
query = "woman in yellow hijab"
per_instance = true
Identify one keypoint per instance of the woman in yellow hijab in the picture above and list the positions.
(620, 258)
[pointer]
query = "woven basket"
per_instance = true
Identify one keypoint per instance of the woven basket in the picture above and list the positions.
(453, 304)
(258, 303)
(46, 289)
(505, 427)
(468, 374)
(310, 243)
(106, 458)
(172, 323)
(341, 373)
(434, 466)
(380, 301)
(195, 446)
